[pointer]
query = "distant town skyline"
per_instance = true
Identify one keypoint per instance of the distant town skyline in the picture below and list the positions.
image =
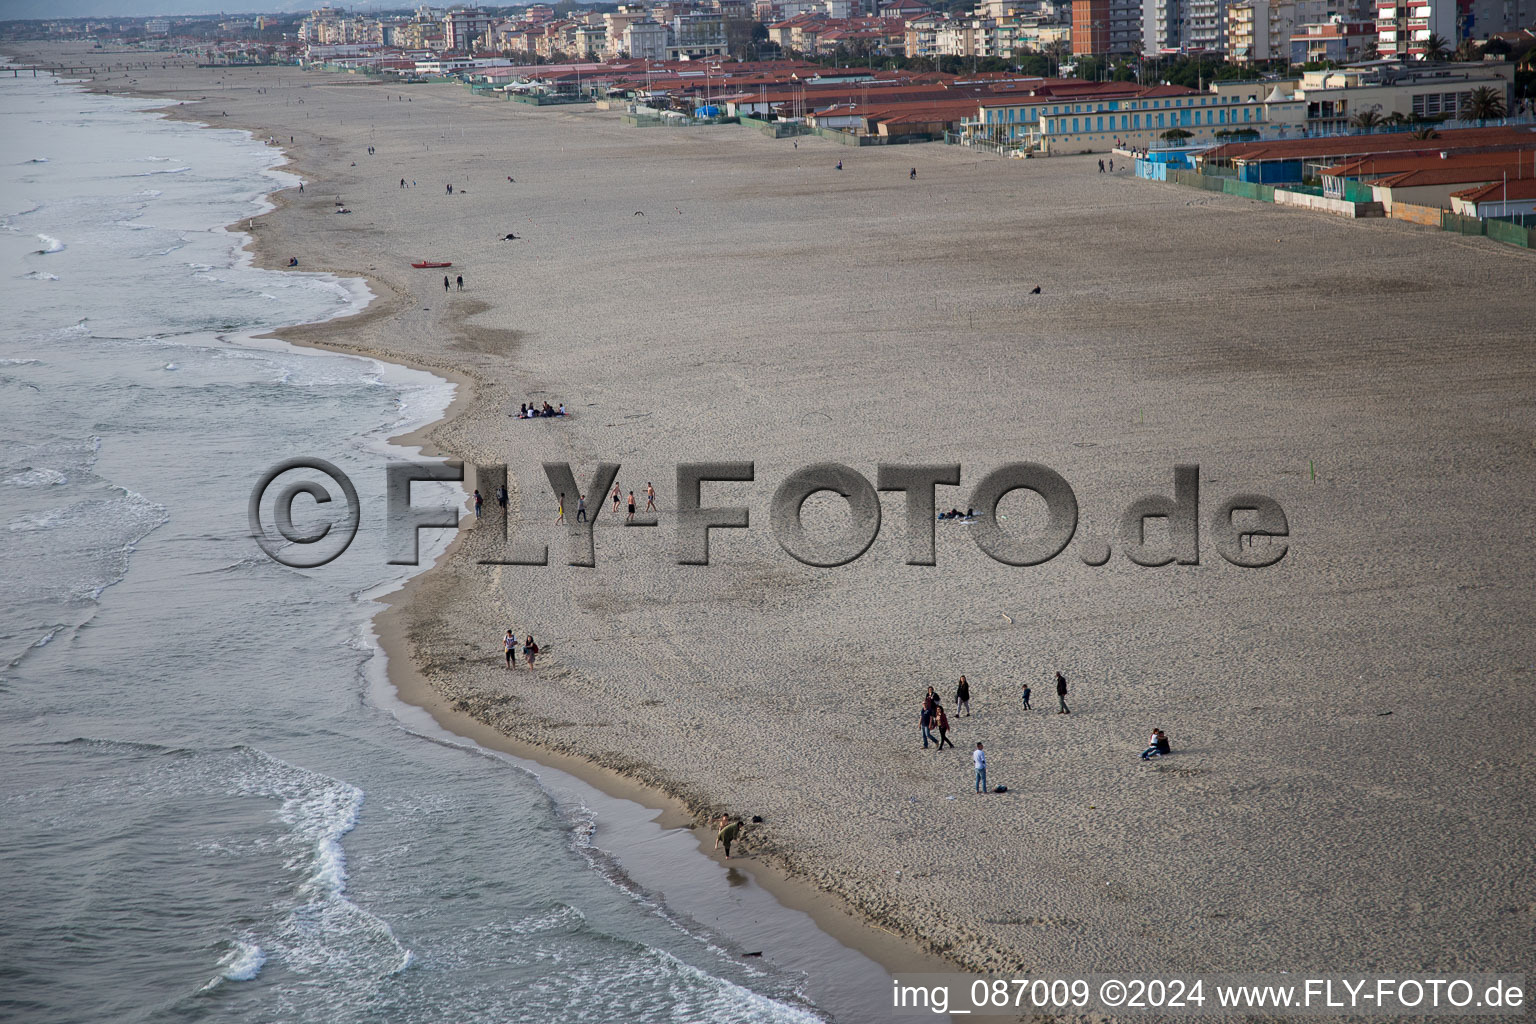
(25, 10)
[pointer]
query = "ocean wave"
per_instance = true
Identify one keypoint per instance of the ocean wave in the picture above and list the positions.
(50, 245)
(40, 477)
(167, 170)
(149, 192)
(38, 160)
(38, 275)
(561, 917)
(326, 931)
(243, 962)
(21, 362)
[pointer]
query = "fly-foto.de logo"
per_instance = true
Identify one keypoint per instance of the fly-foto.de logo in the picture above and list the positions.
(1247, 530)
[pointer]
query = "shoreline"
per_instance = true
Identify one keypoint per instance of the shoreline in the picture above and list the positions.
(892, 951)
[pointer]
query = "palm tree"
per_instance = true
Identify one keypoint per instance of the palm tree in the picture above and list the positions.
(1367, 120)
(1483, 103)
(1469, 51)
(1435, 47)
(1424, 131)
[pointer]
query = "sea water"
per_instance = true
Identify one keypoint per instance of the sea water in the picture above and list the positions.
(207, 809)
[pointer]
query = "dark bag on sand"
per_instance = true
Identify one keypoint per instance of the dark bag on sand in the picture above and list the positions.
(999, 789)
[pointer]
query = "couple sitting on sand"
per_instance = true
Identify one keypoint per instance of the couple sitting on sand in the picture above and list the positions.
(1159, 746)
(528, 412)
(955, 513)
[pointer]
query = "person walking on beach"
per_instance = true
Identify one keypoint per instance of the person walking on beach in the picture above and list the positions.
(729, 832)
(402, 183)
(1026, 696)
(501, 497)
(631, 516)
(913, 175)
(581, 508)
(461, 282)
(980, 759)
(478, 501)
(1061, 694)
(561, 517)
(530, 649)
(509, 642)
(446, 283)
(1101, 166)
(615, 499)
(943, 727)
(926, 718)
(650, 497)
(963, 697)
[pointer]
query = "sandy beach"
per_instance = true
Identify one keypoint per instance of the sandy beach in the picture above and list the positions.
(1352, 727)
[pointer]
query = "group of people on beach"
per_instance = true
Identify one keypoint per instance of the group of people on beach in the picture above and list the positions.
(529, 411)
(933, 718)
(511, 645)
(581, 503)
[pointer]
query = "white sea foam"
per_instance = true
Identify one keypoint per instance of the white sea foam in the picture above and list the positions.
(42, 477)
(243, 963)
(166, 170)
(38, 275)
(50, 244)
(149, 192)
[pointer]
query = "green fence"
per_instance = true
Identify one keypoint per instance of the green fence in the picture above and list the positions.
(1510, 234)
(1358, 192)
(1464, 225)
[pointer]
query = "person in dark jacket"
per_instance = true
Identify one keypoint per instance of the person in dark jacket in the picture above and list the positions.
(963, 697)
(1061, 694)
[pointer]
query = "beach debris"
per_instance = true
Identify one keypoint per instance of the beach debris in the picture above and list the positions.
(1035, 290)
(639, 213)
(757, 953)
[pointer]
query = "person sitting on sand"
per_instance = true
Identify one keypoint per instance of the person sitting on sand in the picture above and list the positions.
(1159, 746)
(729, 832)
(522, 411)
(293, 261)
(562, 410)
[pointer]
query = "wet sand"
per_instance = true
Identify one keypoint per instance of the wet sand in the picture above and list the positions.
(1352, 726)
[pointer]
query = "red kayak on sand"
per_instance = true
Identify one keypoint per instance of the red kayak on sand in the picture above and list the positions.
(428, 263)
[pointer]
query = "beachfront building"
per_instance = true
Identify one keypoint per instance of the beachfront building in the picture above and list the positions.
(1261, 30)
(1430, 90)
(1162, 26)
(1205, 26)
(922, 33)
(1403, 27)
(1337, 41)
(700, 34)
(616, 22)
(1133, 116)
(461, 28)
(646, 40)
(1497, 199)
(1090, 27)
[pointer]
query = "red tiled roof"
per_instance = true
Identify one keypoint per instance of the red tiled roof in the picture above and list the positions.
(1515, 188)
(1337, 147)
